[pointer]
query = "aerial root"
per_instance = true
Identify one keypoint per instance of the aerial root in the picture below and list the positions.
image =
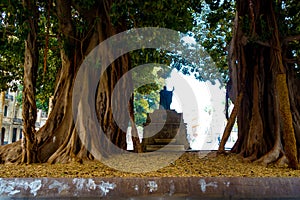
(11, 153)
(222, 152)
(282, 161)
(212, 154)
(270, 157)
(250, 158)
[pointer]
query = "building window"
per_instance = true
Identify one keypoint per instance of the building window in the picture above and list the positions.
(5, 111)
(20, 134)
(2, 136)
(14, 136)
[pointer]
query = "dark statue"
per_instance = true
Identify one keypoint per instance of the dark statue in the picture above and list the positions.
(165, 98)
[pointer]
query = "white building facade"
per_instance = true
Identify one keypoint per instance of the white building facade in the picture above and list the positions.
(11, 130)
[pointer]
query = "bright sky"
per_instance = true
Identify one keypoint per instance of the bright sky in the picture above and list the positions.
(200, 91)
(191, 97)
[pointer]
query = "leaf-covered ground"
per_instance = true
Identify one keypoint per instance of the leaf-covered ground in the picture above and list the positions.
(188, 165)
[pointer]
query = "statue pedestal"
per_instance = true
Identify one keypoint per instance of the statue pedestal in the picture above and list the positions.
(165, 128)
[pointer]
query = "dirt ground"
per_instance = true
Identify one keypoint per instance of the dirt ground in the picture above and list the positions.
(192, 164)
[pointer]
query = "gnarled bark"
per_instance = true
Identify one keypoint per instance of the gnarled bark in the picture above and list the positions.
(58, 140)
(265, 120)
(287, 122)
(29, 111)
(68, 145)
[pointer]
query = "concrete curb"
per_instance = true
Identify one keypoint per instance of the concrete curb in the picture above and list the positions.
(153, 188)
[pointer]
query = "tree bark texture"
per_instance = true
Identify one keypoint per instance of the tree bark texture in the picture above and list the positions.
(68, 145)
(58, 140)
(29, 111)
(265, 120)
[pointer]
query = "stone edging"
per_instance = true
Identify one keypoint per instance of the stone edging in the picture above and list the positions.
(135, 188)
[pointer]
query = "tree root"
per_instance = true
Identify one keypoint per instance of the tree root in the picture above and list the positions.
(250, 158)
(223, 152)
(230, 122)
(282, 161)
(270, 157)
(11, 153)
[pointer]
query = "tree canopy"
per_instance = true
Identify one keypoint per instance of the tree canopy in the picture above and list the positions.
(14, 29)
(131, 14)
(61, 34)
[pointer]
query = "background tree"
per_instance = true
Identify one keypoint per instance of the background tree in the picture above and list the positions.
(24, 22)
(13, 30)
(82, 25)
(12, 36)
(145, 102)
(29, 112)
(213, 33)
(263, 61)
(146, 97)
(263, 64)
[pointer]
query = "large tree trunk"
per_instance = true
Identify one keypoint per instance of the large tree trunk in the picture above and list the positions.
(29, 110)
(58, 140)
(63, 143)
(266, 132)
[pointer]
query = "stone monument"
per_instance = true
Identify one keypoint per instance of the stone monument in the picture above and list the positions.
(165, 128)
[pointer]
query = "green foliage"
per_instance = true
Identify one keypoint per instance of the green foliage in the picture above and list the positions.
(41, 103)
(156, 14)
(86, 4)
(213, 32)
(19, 95)
(146, 96)
(289, 25)
(181, 16)
(143, 104)
(13, 32)
(209, 20)
(194, 60)
(265, 33)
(245, 23)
